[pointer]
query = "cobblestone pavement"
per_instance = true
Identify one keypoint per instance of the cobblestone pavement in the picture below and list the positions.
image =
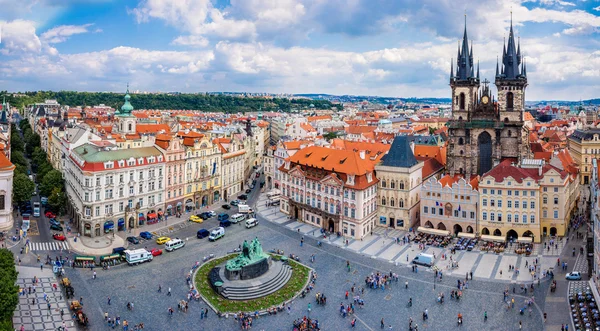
(36, 315)
(139, 284)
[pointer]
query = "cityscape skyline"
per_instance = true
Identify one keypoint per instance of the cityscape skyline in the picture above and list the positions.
(293, 47)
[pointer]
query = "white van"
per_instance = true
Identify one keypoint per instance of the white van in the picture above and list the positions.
(216, 234)
(251, 222)
(237, 218)
(137, 256)
(174, 244)
(424, 259)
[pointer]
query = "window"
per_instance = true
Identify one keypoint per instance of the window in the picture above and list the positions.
(516, 193)
(545, 199)
(509, 203)
(484, 216)
(392, 184)
(492, 216)
(500, 203)
(353, 213)
(532, 219)
(492, 191)
(493, 202)
(472, 215)
(499, 217)
(121, 206)
(383, 202)
(524, 218)
(401, 203)
(485, 191)
(97, 195)
(461, 101)
(531, 193)
(392, 202)
(509, 218)
(556, 190)
(383, 183)
(484, 202)
(353, 195)
(455, 212)
(556, 214)
(97, 181)
(440, 211)
(402, 185)
(509, 192)
(432, 211)
(499, 192)
(97, 210)
(464, 214)
(425, 210)
(509, 101)
(516, 217)
(556, 200)
(532, 205)
(345, 211)
(545, 189)
(545, 214)
(87, 197)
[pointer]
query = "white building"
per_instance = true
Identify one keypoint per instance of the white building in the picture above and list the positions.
(6, 186)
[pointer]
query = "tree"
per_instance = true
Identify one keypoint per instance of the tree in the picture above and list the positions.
(16, 143)
(330, 135)
(42, 169)
(53, 179)
(57, 200)
(33, 140)
(20, 169)
(9, 297)
(23, 188)
(17, 157)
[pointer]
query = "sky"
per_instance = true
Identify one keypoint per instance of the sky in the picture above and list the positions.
(395, 48)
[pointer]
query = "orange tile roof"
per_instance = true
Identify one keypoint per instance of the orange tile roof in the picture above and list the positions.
(319, 118)
(152, 128)
(430, 167)
(429, 151)
(355, 129)
(448, 180)
(295, 144)
(343, 161)
(307, 127)
(528, 117)
(5, 164)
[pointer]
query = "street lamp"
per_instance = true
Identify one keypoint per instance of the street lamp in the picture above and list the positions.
(434, 277)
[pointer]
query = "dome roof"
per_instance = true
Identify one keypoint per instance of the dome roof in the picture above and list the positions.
(127, 108)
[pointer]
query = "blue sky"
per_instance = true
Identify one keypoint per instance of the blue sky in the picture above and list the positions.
(372, 47)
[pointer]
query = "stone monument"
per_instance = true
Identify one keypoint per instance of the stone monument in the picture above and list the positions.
(252, 262)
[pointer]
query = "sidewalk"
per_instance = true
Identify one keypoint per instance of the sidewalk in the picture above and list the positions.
(104, 245)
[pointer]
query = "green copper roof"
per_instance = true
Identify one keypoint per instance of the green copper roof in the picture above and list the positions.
(127, 108)
(91, 153)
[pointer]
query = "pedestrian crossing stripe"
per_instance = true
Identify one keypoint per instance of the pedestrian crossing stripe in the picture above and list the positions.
(49, 246)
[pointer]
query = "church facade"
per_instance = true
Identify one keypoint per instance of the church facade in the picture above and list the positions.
(484, 131)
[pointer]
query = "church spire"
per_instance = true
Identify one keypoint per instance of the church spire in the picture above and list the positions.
(511, 59)
(451, 69)
(464, 67)
(497, 70)
(477, 69)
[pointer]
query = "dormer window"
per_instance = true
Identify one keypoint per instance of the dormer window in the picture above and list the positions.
(369, 177)
(350, 180)
(109, 165)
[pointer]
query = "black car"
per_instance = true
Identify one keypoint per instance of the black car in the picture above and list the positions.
(243, 197)
(226, 206)
(225, 223)
(133, 240)
(202, 233)
(204, 215)
(248, 191)
(56, 227)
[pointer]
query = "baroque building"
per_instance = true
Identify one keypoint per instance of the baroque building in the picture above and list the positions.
(484, 132)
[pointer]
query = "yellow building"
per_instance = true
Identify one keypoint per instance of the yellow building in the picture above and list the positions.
(529, 200)
(584, 146)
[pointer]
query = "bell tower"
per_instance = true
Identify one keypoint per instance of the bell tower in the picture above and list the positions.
(464, 82)
(126, 121)
(511, 81)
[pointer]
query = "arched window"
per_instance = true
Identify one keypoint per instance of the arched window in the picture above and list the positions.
(461, 141)
(2, 202)
(509, 133)
(129, 127)
(461, 152)
(401, 203)
(509, 101)
(393, 184)
(383, 184)
(461, 101)
(392, 202)
(402, 185)
(383, 201)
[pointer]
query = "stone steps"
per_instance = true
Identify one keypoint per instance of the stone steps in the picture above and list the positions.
(253, 292)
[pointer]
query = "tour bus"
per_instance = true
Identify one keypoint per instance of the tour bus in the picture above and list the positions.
(174, 244)
(137, 256)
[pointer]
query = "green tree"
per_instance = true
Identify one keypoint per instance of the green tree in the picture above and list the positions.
(9, 297)
(16, 143)
(20, 169)
(330, 135)
(24, 123)
(42, 169)
(17, 157)
(38, 156)
(53, 179)
(33, 140)
(23, 188)
(57, 200)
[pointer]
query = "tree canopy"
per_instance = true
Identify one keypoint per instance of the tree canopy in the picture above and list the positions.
(9, 297)
(200, 101)
(53, 179)
(23, 188)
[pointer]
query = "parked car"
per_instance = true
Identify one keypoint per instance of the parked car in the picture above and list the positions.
(225, 223)
(235, 202)
(212, 213)
(205, 215)
(56, 227)
(146, 235)
(226, 206)
(54, 221)
(248, 191)
(44, 201)
(202, 233)
(575, 275)
(156, 251)
(59, 237)
(196, 219)
(243, 197)
(162, 240)
(133, 240)
(50, 214)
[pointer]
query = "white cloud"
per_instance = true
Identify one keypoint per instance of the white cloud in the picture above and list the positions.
(597, 8)
(19, 37)
(195, 41)
(61, 33)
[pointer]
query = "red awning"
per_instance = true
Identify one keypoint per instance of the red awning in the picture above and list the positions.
(152, 215)
(142, 218)
(160, 212)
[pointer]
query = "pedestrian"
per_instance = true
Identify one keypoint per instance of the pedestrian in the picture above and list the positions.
(201, 313)
(346, 295)
(81, 300)
(94, 277)
(159, 288)
(471, 275)
(309, 307)
(206, 312)
(169, 292)
(382, 323)
(109, 301)
(406, 284)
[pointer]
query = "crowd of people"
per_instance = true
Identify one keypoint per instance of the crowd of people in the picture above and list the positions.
(306, 324)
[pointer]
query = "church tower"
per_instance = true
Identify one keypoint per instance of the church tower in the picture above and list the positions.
(465, 82)
(126, 121)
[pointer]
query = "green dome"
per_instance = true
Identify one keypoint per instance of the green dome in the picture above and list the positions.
(127, 107)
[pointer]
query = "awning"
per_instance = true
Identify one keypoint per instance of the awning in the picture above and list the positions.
(189, 204)
(141, 214)
(466, 235)
(160, 212)
(142, 218)
(152, 215)
(433, 231)
(493, 238)
(121, 222)
(109, 225)
(524, 240)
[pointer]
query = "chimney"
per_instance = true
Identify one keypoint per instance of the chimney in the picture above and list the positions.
(362, 155)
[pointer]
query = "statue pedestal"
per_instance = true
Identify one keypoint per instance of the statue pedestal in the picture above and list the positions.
(249, 271)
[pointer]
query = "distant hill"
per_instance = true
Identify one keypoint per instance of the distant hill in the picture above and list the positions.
(204, 102)
(374, 99)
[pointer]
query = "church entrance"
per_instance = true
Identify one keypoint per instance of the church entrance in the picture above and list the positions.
(485, 153)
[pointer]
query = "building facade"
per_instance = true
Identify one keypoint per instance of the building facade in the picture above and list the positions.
(6, 186)
(174, 152)
(584, 146)
(484, 132)
(336, 191)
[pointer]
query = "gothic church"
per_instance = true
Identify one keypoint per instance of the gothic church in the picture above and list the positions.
(483, 132)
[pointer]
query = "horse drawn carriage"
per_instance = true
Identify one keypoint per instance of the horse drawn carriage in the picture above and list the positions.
(69, 290)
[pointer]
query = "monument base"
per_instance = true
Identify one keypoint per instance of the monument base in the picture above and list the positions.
(249, 271)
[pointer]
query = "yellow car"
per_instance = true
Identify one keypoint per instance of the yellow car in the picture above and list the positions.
(162, 240)
(196, 219)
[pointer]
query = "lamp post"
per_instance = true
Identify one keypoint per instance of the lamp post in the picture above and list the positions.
(434, 277)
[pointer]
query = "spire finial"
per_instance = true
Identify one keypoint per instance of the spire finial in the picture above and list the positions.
(127, 87)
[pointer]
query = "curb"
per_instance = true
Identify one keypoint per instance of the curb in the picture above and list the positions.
(260, 312)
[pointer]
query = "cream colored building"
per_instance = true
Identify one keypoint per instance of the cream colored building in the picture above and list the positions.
(584, 146)
(450, 203)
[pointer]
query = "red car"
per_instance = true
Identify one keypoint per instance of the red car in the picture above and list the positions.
(59, 236)
(156, 251)
(49, 214)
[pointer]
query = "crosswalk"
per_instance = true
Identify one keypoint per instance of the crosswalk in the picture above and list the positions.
(49, 246)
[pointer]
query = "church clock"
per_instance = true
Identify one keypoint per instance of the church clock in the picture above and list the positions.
(485, 99)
